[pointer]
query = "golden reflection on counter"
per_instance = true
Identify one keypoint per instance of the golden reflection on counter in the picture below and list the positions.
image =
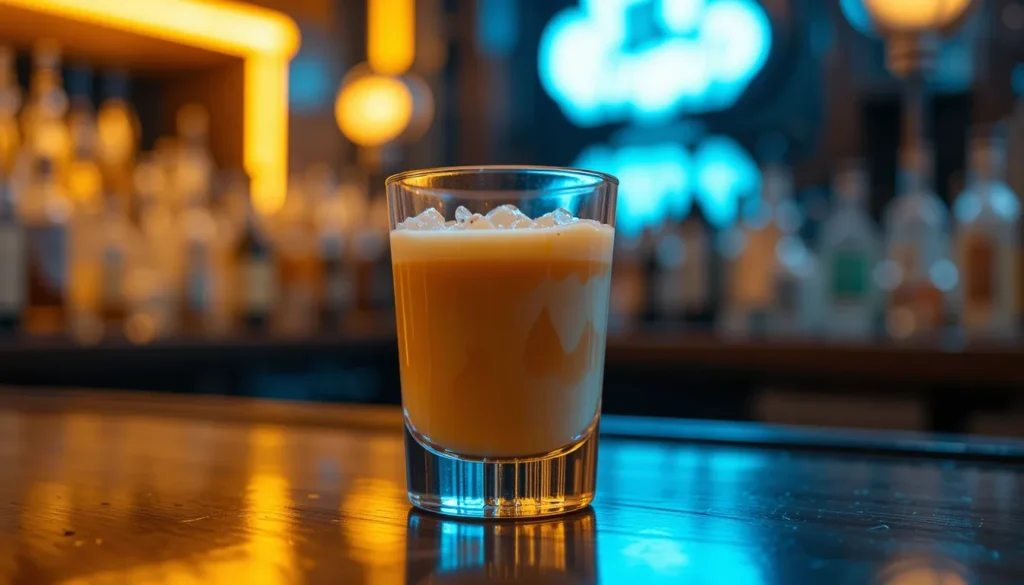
(372, 508)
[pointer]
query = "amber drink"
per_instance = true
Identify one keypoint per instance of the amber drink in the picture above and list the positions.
(502, 276)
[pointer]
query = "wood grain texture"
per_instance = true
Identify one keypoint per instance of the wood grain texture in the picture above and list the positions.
(125, 488)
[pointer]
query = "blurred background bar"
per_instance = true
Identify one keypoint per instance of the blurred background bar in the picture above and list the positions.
(819, 217)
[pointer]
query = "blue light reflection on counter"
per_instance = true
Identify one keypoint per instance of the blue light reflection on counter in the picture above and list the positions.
(698, 544)
(611, 60)
(664, 181)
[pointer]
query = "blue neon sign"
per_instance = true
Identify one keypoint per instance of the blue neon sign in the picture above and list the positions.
(667, 180)
(650, 60)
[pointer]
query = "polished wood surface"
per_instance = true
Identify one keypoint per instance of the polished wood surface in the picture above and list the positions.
(135, 488)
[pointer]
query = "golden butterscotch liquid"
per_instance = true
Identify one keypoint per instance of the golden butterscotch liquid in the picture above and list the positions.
(502, 335)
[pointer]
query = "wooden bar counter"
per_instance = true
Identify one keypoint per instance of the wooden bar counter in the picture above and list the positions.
(132, 488)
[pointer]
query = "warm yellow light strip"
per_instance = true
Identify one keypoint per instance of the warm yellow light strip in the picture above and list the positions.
(265, 39)
(391, 35)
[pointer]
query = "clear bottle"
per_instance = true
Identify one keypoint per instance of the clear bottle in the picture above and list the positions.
(198, 233)
(115, 261)
(768, 265)
(918, 276)
(118, 135)
(194, 165)
(850, 250)
(83, 180)
(298, 265)
(46, 212)
(151, 279)
(13, 286)
(1015, 180)
(987, 230)
(681, 290)
(337, 286)
(255, 278)
(10, 102)
(12, 236)
(42, 119)
(628, 286)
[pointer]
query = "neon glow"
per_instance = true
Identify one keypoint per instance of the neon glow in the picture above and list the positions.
(265, 39)
(391, 35)
(599, 67)
(664, 181)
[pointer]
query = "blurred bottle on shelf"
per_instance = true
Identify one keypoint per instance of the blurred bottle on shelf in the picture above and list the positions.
(681, 289)
(628, 286)
(13, 283)
(337, 289)
(917, 275)
(298, 266)
(118, 135)
(46, 212)
(987, 231)
(772, 276)
(1015, 180)
(10, 102)
(42, 118)
(851, 248)
(255, 284)
(83, 180)
(194, 164)
(150, 284)
(372, 260)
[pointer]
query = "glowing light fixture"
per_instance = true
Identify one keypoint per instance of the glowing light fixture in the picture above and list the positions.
(915, 15)
(265, 39)
(698, 56)
(372, 109)
(391, 35)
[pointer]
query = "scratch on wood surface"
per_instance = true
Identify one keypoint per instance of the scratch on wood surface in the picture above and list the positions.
(194, 519)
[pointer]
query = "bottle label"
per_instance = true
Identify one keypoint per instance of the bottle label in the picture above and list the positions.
(258, 285)
(112, 280)
(12, 269)
(849, 276)
(47, 257)
(979, 269)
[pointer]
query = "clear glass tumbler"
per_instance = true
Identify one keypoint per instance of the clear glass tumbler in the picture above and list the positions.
(502, 313)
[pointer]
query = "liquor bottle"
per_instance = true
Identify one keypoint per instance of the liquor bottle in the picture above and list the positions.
(337, 288)
(987, 230)
(118, 136)
(46, 212)
(194, 165)
(152, 275)
(198, 233)
(83, 180)
(851, 248)
(12, 236)
(12, 259)
(42, 118)
(115, 259)
(10, 101)
(756, 283)
(256, 285)
(298, 264)
(698, 273)
(918, 275)
(1015, 180)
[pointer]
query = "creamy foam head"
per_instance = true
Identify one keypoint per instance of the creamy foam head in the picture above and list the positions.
(503, 234)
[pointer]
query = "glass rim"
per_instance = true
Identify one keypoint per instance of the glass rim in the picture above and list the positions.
(597, 178)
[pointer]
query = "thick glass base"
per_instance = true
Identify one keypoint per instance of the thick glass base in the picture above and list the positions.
(557, 483)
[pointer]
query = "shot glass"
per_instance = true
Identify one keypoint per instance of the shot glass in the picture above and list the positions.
(502, 277)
